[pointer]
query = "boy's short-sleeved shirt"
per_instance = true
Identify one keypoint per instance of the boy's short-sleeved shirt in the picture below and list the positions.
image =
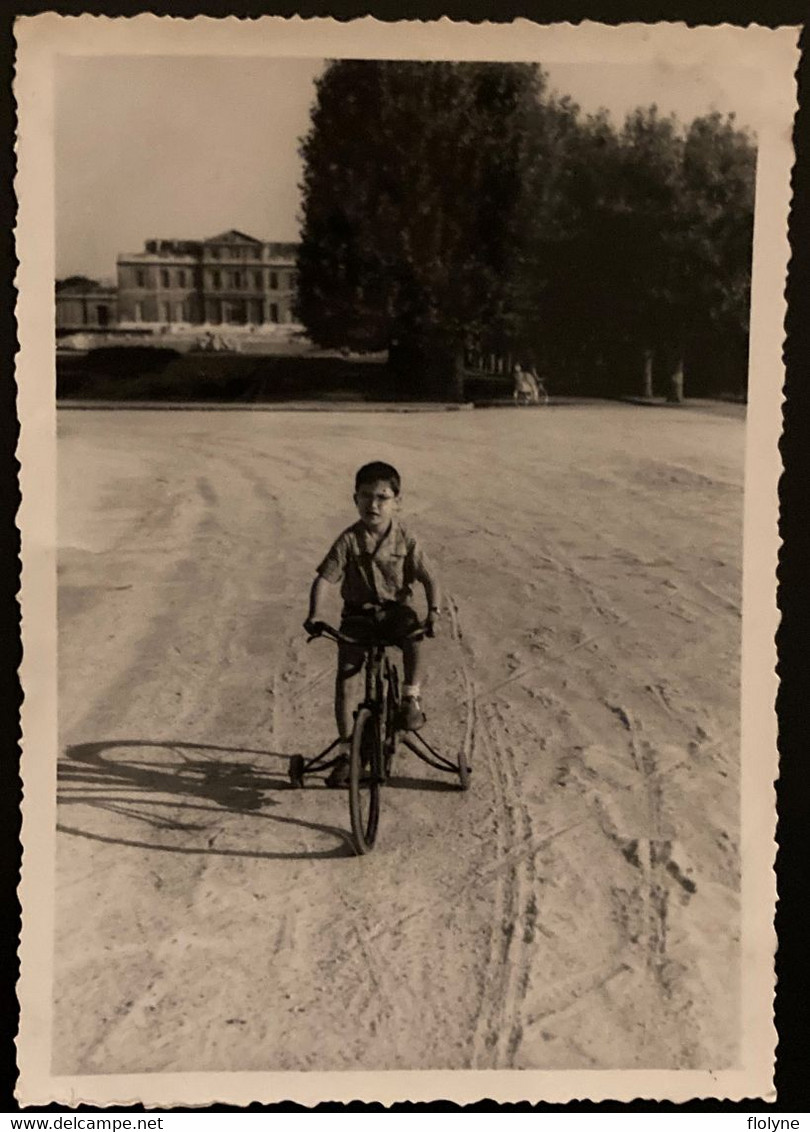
(373, 571)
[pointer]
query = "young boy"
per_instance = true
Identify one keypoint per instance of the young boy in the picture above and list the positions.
(377, 561)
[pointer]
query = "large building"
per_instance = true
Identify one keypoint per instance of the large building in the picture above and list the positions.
(84, 304)
(228, 280)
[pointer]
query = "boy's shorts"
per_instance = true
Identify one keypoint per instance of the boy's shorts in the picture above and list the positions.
(389, 622)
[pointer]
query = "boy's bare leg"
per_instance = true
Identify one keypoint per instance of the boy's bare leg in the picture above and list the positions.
(412, 661)
(411, 715)
(348, 690)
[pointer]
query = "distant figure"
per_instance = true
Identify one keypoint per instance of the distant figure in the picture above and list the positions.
(540, 390)
(525, 391)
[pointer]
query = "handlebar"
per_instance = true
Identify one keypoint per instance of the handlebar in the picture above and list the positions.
(325, 630)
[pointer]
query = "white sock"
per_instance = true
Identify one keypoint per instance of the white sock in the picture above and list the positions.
(411, 691)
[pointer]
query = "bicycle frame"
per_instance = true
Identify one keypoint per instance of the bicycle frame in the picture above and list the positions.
(373, 659)
(375, 664)
(378, 672)
(372, 665)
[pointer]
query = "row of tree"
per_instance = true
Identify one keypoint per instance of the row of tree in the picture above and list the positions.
(458, 209)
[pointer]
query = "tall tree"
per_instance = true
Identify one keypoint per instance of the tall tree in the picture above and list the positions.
(574, 250)
(655, 248)
(719, 170)
(449, 205)
(414, 180)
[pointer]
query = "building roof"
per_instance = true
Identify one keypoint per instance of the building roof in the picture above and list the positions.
(281, 250)
(78, 285)
(163, 259)
(188, 252)
(232, 236)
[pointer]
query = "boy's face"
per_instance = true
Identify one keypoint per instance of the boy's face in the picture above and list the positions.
(377, 504)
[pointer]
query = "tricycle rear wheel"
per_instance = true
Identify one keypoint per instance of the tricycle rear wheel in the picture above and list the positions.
(464, 770)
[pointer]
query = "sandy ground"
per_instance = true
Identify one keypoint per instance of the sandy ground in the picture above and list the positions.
(578, 908)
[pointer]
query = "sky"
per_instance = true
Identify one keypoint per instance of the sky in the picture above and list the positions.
(185, 147)
(175, 147)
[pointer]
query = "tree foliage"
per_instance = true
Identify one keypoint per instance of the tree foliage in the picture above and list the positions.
(457, 205)
(413, 185)
(650, 254)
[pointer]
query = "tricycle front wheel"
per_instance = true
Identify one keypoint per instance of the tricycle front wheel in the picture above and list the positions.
(392, 703)
(364, 780)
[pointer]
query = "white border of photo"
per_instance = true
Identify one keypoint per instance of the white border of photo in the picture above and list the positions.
(770, 58)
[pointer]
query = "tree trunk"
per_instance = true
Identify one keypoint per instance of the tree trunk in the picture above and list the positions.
(456, 376)
(647, 383)
(408, 366)
(443, 366)
(675, 390)
(427, 367)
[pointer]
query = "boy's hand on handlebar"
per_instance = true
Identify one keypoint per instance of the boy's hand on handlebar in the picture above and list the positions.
(313, 628)
(432, 624)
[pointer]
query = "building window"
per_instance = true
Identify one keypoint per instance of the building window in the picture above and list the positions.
(165, 312)
(214, 253)
(181, 278)
(164, 277)
(274, 283)
(274, 312)
(140, 278)
(257, 275)
(237, 280)
(216, 280)
(257, 253)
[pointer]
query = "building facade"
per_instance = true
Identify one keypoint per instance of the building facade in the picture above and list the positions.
(84, 304)
(228, 280)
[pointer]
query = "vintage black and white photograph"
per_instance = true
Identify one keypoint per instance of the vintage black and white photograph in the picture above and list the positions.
(399, 417)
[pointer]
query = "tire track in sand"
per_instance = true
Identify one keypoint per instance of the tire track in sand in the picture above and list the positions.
(492, 988)
(650, 852)
(470, 691)
(497, 1029)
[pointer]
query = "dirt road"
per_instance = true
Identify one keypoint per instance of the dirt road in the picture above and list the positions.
(578, 908)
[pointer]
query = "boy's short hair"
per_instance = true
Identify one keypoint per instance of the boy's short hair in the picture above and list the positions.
(376, 472)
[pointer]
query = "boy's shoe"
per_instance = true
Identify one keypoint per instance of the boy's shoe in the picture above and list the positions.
(339, 774)
(410, 717)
